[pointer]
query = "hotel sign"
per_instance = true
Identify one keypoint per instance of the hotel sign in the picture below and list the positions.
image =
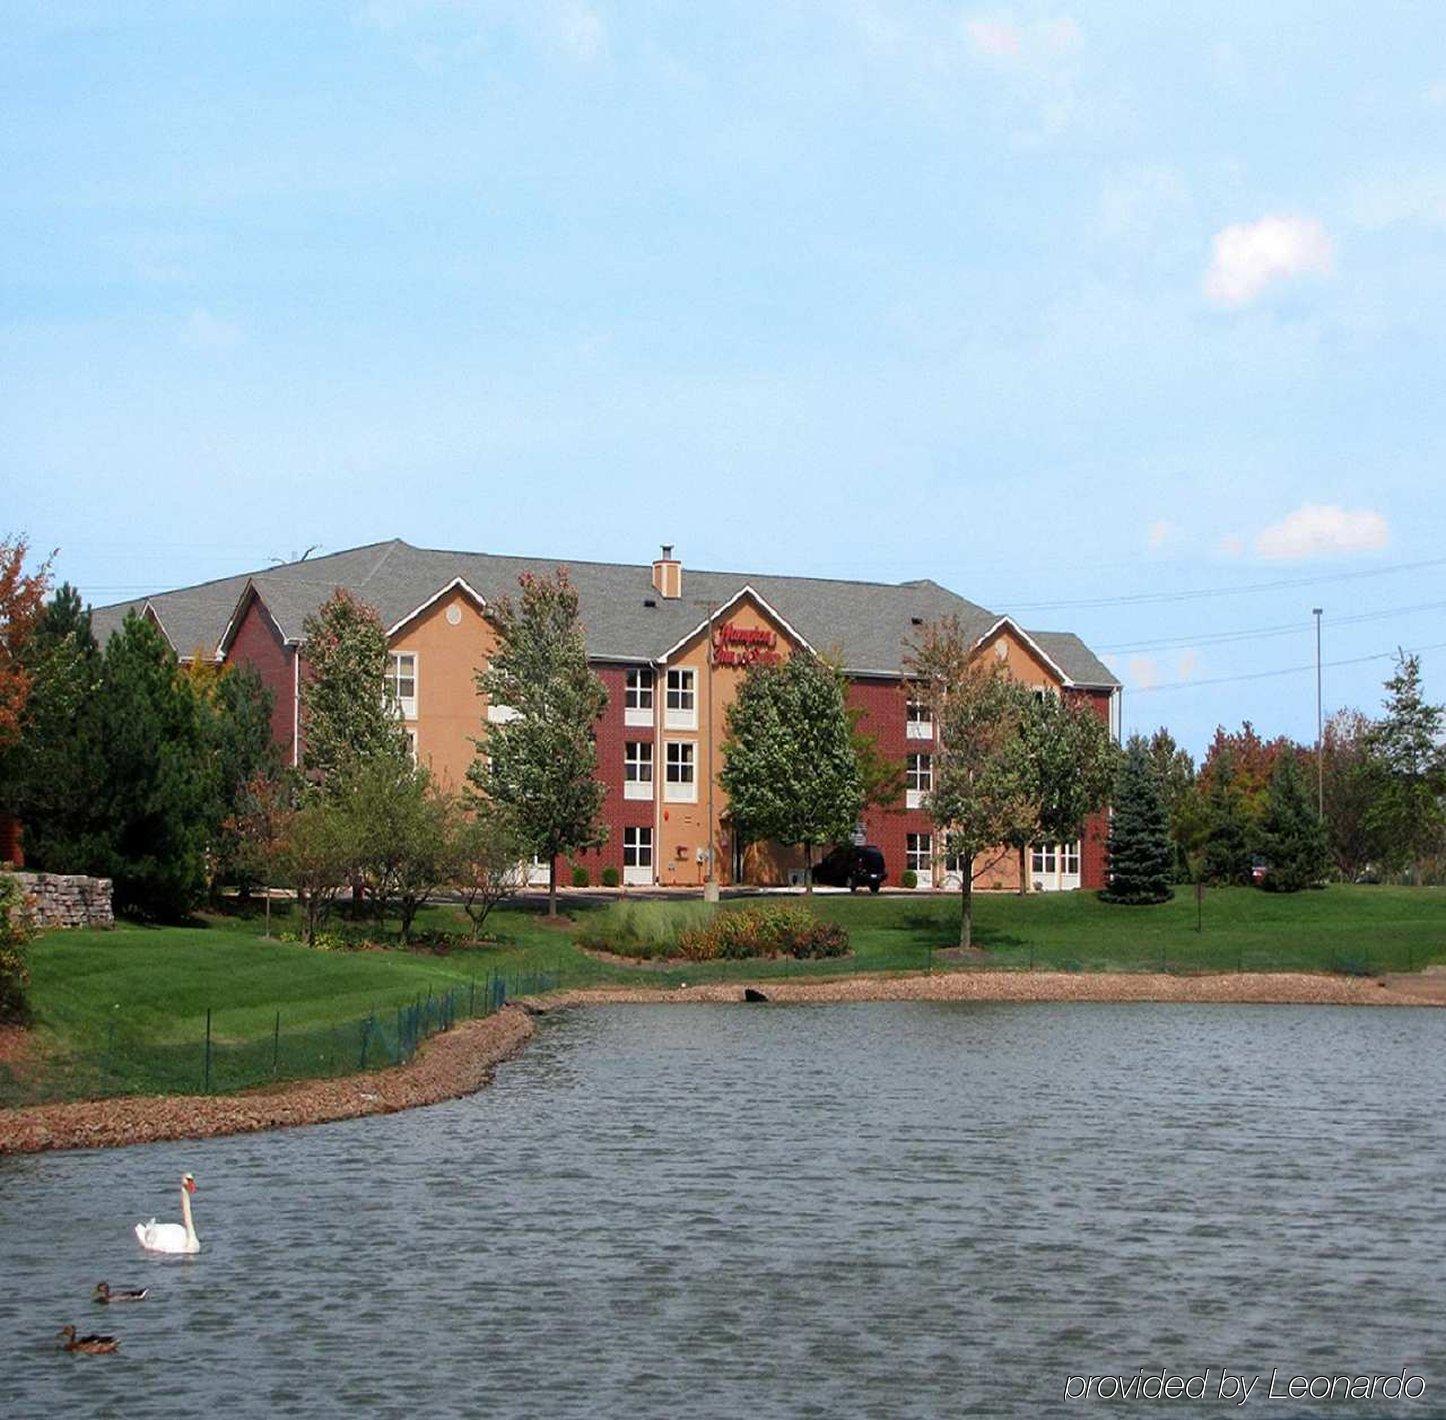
(745, 646)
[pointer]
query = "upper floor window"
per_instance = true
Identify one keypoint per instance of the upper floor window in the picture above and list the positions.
(638, 697)
(919, 721)
(638, 769)
(680, 783)
(918, 779)
(680, 703)
(402, 674)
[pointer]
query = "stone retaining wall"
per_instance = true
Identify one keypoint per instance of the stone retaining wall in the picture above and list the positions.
(66, 900)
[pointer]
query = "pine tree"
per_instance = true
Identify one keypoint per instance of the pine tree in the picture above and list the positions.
(153, 811)
(1293, 839)
(1408, 815)
(790, 768)
(1141, 853)
(349, 714)
(1229, 831)
(538, 764)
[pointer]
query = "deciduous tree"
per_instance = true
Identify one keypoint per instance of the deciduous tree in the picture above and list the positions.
(349, 714)
(488, 863)
(22, 594)
(790, 767)
(538, 763)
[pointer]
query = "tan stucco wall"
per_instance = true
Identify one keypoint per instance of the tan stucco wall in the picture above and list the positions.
(685, 826)
(449, 709)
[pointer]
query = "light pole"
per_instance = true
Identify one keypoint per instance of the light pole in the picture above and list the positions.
(1319, 724)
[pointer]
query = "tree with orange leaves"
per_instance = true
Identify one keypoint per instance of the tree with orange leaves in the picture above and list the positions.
(22, 594)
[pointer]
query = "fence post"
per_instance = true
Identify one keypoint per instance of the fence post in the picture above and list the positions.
(208, 1050)
(276, 1045)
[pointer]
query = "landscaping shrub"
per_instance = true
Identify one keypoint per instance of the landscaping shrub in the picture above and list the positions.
(909, 878)
(763, 932)
(643, 929)
(610, 877)
(15, 935)
(579, 876)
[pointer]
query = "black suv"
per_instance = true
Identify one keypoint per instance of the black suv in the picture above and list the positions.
(852, 867)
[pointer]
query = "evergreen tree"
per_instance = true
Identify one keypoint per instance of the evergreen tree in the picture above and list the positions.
(538, 764)
(1184, 802)
(349, 713)
(243, 751)
(153, 811)
(1408, 815)
(1141, 853)
(790, 767)
(1293, 840)
(48, 778)
(1229, 830)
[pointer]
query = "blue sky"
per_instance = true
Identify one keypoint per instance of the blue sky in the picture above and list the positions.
(1074, 307)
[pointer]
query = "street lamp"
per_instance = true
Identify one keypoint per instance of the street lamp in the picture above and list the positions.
(1319, 724)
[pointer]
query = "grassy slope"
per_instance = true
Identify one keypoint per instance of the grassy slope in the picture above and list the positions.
(156, 984)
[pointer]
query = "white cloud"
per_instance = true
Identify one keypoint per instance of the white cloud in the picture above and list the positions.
(205, 331)
(1002, 38)
(1401, 198)
(1323, 530)
(1248, 257)
(581, 33)
(1143, 672)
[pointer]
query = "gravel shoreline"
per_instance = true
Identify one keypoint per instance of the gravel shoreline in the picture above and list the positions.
(457, 1062)
(461, 1060)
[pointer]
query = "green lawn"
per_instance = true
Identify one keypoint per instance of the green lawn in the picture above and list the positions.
(125, 1011)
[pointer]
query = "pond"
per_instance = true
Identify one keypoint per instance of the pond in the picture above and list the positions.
(887, 1209)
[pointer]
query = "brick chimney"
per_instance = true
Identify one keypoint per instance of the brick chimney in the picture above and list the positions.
(668, 574)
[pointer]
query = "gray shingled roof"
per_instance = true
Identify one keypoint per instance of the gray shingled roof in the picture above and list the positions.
(867, 623)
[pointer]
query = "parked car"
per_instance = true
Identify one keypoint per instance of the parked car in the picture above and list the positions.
(852, 866)
(1259, 870)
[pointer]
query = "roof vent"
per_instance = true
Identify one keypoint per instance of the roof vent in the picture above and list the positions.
(916, 621)
(668, 574)
(650, 601)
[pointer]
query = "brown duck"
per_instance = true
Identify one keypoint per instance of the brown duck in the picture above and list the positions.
(104, 1295)
(92, 1345)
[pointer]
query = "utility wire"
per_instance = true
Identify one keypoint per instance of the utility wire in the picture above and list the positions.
(1266, 675)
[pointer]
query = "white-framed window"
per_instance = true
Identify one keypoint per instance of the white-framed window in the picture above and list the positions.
(680, 700)
(919, 855)
(918, 721)
(1044, 859)
(680, 778)
(918, 779)
(1055, 865)
(402, 671)
(1069, 859)
(638, 856)
(638, 769)
(638, 697)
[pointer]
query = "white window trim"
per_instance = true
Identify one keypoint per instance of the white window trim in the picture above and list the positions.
(673, 791)
(681, 719)
(407, 706)
(639, 788)
(638, 874)
(1056, 878)
(926, 873)
(639, 714)
(914, 798)
(915, 729)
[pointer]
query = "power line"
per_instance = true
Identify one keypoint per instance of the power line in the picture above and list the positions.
(1267, 675)
(1219, 638)
(1153, 598)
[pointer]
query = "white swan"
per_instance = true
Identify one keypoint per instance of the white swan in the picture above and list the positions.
(172, 1237)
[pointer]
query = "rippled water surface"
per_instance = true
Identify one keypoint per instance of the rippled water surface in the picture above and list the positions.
(889, 1210)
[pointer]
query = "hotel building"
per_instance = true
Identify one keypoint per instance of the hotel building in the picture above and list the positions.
(671, 647)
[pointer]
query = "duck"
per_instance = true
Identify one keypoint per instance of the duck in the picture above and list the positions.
(172, 1237)
(105, 1296)
(92, 1345)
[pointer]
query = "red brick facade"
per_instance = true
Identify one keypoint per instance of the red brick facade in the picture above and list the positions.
(257, 643)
